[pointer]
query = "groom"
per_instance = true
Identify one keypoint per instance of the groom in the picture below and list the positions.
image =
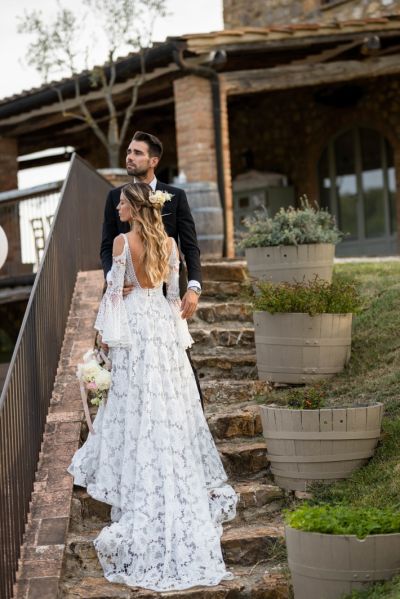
(142, 157)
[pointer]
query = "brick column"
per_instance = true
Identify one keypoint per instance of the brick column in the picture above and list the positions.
(9, 218)
(195, 135)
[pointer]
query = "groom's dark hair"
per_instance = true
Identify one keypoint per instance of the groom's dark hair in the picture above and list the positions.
(154, 144)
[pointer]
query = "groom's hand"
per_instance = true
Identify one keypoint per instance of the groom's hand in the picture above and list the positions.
(189, 304)
(127, 289)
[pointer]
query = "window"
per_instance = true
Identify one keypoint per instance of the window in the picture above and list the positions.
(357, 184)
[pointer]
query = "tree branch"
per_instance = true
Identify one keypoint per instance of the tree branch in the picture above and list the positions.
(130, 109)
(89, 118)
(65, 112)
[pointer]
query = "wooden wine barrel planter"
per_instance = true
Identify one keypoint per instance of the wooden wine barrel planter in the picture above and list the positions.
(205, 205)
(290, 263)
(325, 445)
(298, 348)
(328, 566)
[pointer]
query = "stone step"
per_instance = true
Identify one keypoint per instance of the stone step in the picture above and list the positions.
(245, 422)
(243, 545)
(258, 500)
(247, 545)
(222, 290)
(224, 270)
(243, 457)
(212, 311)
(237, 364)
(258, 582)
(232, 335)
(229, 391)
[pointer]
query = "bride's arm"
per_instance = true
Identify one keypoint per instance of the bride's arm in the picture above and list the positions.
(112, 320)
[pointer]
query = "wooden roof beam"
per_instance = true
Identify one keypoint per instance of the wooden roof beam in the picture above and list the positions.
(304, 75)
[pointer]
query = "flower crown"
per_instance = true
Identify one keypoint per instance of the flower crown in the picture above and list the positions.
(158, 197)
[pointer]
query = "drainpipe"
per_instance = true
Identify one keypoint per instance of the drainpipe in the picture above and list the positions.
(213, 77)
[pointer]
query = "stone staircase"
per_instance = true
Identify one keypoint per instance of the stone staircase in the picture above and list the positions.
(253, 545)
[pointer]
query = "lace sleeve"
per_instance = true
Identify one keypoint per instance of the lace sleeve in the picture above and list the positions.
(174, 300)
(112, 319)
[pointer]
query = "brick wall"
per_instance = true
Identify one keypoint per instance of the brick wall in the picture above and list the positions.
(46, 532)
(195, 128)
(195, 135)
(286, 131)
(259, 13)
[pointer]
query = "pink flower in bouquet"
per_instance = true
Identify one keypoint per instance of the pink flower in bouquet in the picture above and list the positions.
(92, 385)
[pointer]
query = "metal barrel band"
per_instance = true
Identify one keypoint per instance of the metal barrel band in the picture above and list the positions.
(319, 475)
(302, 341)
(312, 459)
(216, 237)
(322, 436)
(345, 575)
(290, 265)
(296, 370)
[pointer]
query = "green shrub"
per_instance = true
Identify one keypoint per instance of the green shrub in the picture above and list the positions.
(290, 226)
(307, 398)
(381, 590)
(344, 520)
(314, 297)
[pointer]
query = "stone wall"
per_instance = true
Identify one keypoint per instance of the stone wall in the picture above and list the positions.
(259, 13)
(286, 131)
(50, 509)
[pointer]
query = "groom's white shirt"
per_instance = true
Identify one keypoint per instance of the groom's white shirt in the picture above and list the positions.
(192, 283)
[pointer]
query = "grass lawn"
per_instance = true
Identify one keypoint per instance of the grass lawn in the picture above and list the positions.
(373, 374)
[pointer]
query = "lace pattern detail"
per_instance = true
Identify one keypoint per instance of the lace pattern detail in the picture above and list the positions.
(112, 319)
(153, 458)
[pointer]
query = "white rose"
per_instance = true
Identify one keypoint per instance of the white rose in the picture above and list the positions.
(103, 380)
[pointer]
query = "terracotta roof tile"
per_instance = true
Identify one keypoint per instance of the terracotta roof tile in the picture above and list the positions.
(197, 41)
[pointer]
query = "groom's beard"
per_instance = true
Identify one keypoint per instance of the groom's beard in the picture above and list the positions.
(138, 173)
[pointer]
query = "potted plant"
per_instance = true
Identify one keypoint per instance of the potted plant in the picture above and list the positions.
(309, 441)
(294, 245)
(303, 330)
(334, 549)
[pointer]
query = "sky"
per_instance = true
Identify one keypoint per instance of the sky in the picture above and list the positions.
(186, 16)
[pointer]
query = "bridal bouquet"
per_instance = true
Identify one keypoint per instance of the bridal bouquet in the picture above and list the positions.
(94, 379)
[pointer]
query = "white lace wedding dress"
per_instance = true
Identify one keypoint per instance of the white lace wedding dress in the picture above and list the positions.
(152, 457)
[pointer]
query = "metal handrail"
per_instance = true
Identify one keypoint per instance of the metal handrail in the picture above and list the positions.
(73, 245)
(19, 195)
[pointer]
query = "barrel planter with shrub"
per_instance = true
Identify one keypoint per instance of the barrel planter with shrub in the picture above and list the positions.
(326, 444)
(291, 262)
(333, 550)
(303, 330)
(294, 245)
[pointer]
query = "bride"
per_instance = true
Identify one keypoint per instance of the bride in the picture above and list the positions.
(152, 456)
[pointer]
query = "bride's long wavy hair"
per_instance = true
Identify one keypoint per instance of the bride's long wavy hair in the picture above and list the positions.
(150, 227)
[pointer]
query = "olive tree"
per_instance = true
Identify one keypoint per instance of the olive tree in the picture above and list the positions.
(63, 45)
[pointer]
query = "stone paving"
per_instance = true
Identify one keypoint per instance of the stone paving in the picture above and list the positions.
(225, 358)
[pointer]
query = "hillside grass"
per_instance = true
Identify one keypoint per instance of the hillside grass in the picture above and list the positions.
(373, 374)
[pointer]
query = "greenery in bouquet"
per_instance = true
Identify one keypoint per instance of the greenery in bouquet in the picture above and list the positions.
(344, 520)
(290, 226)
(313, 297)
(94, 377)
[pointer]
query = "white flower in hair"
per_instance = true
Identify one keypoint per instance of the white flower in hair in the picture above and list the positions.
(160, 197)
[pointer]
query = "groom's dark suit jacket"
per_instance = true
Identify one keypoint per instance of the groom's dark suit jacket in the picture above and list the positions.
(178, 222)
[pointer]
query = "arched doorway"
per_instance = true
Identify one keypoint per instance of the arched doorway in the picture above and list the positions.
(358, 185)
